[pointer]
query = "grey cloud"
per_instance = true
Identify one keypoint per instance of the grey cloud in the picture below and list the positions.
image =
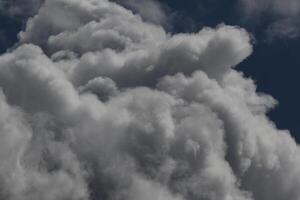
(30, 80)
(61, 19)
(149, 10)
(287, 28)
(99, 104)
(280, 7)
(284, 14)
(22, 174)
(20, 8)
(214, 51)
(250, 150)
(103, 88)
(124, 45)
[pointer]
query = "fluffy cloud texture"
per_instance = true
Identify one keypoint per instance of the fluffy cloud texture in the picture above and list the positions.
(150, 10)
(98, 103)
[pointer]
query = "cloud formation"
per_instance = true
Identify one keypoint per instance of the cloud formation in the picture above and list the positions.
(150, 10)
(98, 103)
(20, 8)
(280, 7)
(283, 14)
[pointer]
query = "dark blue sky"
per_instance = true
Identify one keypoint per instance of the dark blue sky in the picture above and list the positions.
(274, 65)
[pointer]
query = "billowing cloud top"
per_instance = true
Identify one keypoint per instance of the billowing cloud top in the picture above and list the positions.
(100, 103)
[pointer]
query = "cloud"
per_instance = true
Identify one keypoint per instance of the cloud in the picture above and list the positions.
(279, 7)
(150, 10)
(27, 154)
(286, 28)
(29, 65)
(98, 103)
(20, 8)
(153, 58)
(259, 155)
(283, 15)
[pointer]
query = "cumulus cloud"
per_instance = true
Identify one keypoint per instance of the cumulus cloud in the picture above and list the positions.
(98, 103)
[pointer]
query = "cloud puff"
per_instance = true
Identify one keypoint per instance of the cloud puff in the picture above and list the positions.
(150, 10)
(30, 80)
(98, 103)
(214, 51)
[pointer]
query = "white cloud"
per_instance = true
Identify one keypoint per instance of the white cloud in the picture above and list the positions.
(100, 104)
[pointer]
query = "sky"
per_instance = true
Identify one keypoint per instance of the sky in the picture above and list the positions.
(149, 99)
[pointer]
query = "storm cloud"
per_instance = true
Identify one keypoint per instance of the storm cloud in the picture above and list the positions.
(98, 102)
